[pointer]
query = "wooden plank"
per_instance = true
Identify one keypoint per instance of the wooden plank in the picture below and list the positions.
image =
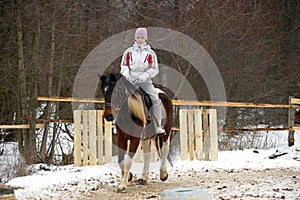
(183, 134)
(100, 136)
(173, 128)
(294, 100)
(77, 138)
(92, 137)
(198, 134)
(85, 141)
(213, 134)
(47, 120)
(296, 128)
(191, 133)
(206, 141)
(231, 104)
(179, 102)
(21, 126)
(108, 141)
(70, 99)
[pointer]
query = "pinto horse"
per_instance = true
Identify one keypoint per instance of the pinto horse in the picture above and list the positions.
(124, 102)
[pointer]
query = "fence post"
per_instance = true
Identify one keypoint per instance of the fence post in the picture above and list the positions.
(291, 136)
(77, 138)
(85, 141)
(206, 141)
(213, 134)
(183, 134)
(191, 133)
(92, 137)
(100, 136)
(108, 141)
(198, 134)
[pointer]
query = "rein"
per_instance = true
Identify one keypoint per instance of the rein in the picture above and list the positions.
(128, 86)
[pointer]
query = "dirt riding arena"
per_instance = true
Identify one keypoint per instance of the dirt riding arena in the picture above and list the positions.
(221, 184)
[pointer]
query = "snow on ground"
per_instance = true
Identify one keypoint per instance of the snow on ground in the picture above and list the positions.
(264, 178)
(68, 182)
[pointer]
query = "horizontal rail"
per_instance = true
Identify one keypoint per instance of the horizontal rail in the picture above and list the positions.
(295, 100)
(177, 102)
(71, 99)
(21, 126)
(70, 121)
(296, 128)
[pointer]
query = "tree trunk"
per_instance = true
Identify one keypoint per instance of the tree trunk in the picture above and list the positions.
(34, 93)
(23, 140)
(50, 87)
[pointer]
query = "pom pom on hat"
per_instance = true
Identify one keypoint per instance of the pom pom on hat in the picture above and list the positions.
(141, 32)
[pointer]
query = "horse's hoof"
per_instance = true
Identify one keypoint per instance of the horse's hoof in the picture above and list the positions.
(141, 182)
(164, 178)
(121, 190)
(130, 176)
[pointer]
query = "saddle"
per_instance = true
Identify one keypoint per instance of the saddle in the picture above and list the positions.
(148, 103)
(146, 98)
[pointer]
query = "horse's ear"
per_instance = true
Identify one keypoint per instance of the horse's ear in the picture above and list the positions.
(102, 78)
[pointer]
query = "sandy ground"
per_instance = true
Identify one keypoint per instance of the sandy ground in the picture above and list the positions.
(221, 184)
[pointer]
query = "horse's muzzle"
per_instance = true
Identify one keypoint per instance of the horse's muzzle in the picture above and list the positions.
(109, 117)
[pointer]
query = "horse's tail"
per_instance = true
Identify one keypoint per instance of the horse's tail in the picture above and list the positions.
(136, 107)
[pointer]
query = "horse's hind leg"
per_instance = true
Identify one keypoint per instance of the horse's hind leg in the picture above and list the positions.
(126, 162)
(163, 167)
(146, 153)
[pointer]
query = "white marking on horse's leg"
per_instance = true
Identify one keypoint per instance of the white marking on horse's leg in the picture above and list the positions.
(146, 154)
(163, 167)
(125, 166)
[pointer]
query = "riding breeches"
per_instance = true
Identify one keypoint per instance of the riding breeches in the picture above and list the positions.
(153, 93)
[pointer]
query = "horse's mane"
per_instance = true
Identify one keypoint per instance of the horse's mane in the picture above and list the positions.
(136, 107)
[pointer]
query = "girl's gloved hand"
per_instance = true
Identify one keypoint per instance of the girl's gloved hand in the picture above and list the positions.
(126, 75)
(144, 77)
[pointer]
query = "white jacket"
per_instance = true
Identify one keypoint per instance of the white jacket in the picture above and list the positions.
(139, 63)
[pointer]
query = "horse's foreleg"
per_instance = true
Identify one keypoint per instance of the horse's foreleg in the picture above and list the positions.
(146, 153)
(126, 163)
(163, 167)
(125, 166)
(122, 145)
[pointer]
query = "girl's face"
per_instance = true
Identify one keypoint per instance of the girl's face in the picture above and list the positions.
(140, 40)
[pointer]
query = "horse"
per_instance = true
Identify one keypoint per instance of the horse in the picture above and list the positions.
(124, 103)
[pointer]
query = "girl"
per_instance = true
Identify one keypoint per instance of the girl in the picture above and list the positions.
(139, 64)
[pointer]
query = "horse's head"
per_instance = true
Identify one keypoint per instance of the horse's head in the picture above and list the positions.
(115, 90)
(108, 84)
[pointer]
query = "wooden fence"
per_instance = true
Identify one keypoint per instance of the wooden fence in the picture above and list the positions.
(198, 134)
(92, 138)
(93, 143)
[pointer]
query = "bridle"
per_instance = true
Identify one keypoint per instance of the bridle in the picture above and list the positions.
(120, 101)
(122, 84)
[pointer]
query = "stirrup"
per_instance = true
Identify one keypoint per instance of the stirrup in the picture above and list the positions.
(160, 131)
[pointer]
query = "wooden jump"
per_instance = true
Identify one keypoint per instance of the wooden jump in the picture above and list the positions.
(93, 137)
(198, 134)
(92, 142)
